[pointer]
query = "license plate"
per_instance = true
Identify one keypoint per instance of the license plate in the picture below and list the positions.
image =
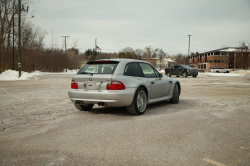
(91, 85)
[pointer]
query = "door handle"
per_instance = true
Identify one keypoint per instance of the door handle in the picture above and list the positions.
(170, 82)
(152, 82)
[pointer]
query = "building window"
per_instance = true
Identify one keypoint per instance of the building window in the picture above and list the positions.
(215, 61)
(211, 61)
(218, 61)
(222, 61)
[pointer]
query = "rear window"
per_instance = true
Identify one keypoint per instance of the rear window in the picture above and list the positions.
(98, 67)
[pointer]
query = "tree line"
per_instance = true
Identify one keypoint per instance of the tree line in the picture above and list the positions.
(148, 53)
(34, 54)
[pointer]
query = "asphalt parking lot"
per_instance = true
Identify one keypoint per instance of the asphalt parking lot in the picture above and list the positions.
(210, 126)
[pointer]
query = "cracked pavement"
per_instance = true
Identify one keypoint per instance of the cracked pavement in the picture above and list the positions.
(40, 126)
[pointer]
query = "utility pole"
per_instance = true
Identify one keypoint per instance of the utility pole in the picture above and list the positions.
(19, 37)
(189, 48)
(13, 41)
(95, 48)
(66, 50)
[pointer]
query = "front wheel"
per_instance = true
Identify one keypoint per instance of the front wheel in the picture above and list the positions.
(175, 98)
(86, 107)
(139, 103)
(184, 74)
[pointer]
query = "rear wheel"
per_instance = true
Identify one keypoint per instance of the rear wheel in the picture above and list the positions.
(184, 74)
(177, 76)
(175, 98)
(194, 75)
(139, 103)
(85, 107)
(169, 74)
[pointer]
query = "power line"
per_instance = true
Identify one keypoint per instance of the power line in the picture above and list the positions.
(49, 16)
(45, 18)
(42, 23)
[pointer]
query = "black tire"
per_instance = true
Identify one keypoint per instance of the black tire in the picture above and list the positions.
(184, 74)
(177, 76)
(169, 74)
(217, 71)
(84, 107)
(194, 75)
(175, 98)
(139, 103)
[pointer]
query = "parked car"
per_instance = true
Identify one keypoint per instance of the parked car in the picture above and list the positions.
(121, 83)
(181, 70)
(219, 70)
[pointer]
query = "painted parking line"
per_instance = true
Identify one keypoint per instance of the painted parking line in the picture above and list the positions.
(214, 162)
(12, 94)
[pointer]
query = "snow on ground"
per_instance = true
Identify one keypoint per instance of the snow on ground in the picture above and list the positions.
(223, 74)
(162, 71)
(12, 75)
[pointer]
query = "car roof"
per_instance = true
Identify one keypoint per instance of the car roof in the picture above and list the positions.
(124, 60)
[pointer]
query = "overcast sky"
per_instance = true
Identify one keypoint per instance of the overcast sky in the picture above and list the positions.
(162, 24)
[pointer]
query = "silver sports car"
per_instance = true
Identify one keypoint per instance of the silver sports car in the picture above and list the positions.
(121, 83)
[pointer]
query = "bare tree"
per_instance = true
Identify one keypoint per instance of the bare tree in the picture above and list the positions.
(74, 43)
(180, 58)
(161, 54)
(150, 52)
(128, 49)
(139, 53)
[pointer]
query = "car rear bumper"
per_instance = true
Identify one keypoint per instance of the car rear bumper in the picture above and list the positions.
(112, 98)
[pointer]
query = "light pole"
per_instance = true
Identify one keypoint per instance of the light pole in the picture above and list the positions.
(188, 48)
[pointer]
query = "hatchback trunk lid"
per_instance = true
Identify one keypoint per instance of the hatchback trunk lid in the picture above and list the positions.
(95, 75)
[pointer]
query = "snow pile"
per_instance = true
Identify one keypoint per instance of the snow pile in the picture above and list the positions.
(223, 74)
(162, 71)
(74, 71)
(10, 75)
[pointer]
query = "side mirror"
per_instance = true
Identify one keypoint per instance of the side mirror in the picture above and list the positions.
(160, 75)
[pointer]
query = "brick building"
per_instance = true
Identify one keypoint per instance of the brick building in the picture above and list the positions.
(229, 57)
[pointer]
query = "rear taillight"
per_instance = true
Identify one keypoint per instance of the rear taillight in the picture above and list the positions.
(74, 85)
(115, 85)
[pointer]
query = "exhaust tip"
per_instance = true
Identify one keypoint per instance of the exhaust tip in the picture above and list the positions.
(101, 104)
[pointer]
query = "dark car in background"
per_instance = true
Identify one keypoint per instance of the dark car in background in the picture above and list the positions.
(181, 70)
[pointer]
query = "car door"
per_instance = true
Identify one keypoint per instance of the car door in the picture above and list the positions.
(175, 70)
(156, 84)
(179, 70)
(165, 83)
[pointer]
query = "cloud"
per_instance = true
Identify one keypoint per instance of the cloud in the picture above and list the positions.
(161, 23)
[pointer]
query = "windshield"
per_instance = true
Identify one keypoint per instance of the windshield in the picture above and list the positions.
(186, 67)
(99, 68)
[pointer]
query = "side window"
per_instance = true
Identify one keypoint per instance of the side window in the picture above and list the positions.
(176, 66)
(156, 73)
(147, 70)
(133, 69)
